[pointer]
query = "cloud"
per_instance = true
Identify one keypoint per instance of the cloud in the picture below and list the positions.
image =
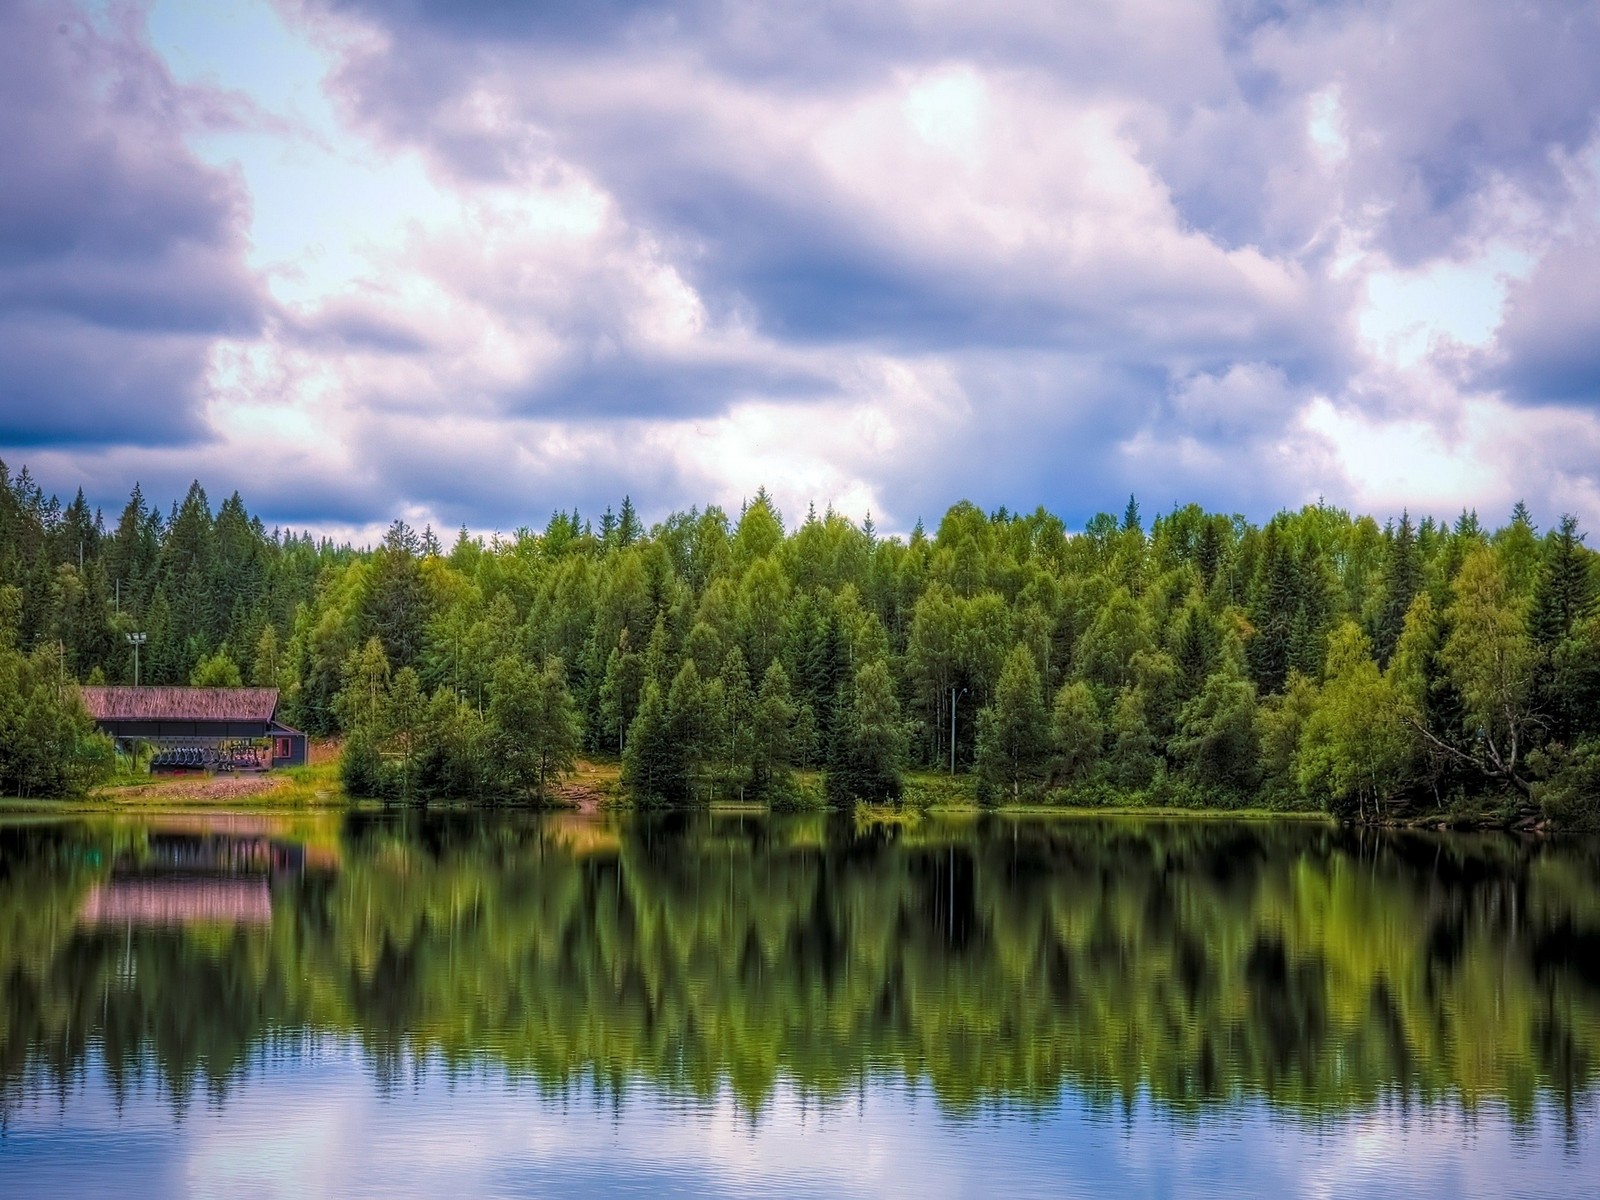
(1548, 348)
(120, 254)
(476, 261)
(67, 381)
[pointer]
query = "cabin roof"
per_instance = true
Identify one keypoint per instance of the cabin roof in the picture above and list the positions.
(180, 703)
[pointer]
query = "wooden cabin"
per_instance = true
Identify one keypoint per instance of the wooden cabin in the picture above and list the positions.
(201, 729)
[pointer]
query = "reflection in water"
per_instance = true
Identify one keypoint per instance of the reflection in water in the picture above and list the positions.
(206, 870)
(180, 901)
(1189, 969)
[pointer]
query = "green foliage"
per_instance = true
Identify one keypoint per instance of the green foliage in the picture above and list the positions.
(772, 729)
(217, 671)
(1181, 650)
(1280, 726)
(408, 747)
(869, 742)
(1570, 795)
(361, 768)
(1489, 658)
(1218, 737)
(1076, 731)
(48, 743)
(1356, 750)
(655, 765)
(267, 661)
(1013, 734)
(534, 725)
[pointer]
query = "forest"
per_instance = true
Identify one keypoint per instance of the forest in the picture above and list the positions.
(1319, 661)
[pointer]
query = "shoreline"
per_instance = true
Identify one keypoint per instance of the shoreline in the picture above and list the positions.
(257, 802)
(594, 789)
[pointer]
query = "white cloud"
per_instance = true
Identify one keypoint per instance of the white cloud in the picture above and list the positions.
(1022, 254)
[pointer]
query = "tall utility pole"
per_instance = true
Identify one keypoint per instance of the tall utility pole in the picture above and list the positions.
(135, 640)
(953, 698)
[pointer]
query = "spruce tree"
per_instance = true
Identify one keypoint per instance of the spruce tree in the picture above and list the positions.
(869, 745)
(1273, 605)
(1403, 578)
(653, 764)
(1565, 592)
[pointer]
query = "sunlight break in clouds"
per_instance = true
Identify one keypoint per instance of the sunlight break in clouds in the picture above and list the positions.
(470, 266)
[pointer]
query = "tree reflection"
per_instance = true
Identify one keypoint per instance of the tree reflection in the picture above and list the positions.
(1197, 962)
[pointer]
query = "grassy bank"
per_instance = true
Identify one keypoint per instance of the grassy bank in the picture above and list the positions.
(310, 787)
(596, 785)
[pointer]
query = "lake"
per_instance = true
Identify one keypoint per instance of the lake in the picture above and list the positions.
(748, 1005)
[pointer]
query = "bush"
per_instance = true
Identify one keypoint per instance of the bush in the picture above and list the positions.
(1570, 795)
(48, 743)
(362, 771)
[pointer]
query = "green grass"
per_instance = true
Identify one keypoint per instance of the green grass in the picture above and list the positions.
(293, 788)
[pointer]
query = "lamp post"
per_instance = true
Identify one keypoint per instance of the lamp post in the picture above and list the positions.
(954, 696)
(135, 640)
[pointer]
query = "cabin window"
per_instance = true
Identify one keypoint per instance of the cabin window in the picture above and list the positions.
(282, 750)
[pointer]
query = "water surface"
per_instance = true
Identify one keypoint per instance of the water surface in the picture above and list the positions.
(516, 1005)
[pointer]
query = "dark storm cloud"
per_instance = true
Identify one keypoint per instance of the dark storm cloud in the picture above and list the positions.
(66, 382)
(119, 252)
(1549, 344)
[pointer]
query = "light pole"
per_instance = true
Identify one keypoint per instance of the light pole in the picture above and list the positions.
(954, 696)
(135, 640)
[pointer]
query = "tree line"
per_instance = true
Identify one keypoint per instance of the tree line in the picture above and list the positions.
(1319, 660)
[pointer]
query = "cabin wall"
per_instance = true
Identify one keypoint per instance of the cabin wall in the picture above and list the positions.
(294, 744)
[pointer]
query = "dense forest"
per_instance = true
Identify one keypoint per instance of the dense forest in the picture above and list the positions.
(1320, 661)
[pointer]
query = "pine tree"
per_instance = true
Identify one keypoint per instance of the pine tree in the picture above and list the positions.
(738, 713)
(1402, 581)
(1195, 649)
(1209, 552)
(265, 667)
(654, 765)
(619, 690)
(1273, 607)
(629, 527)
(395, 606)
(1565, 592)
(869, 745)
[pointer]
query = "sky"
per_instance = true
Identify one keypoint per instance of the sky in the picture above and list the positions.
(468, 261)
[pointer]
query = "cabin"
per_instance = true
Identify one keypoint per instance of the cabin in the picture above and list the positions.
(198, 729)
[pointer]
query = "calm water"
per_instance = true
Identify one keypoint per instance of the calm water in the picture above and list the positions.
(749, 1006)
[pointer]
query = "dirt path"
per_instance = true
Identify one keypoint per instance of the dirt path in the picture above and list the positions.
(581, 797)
